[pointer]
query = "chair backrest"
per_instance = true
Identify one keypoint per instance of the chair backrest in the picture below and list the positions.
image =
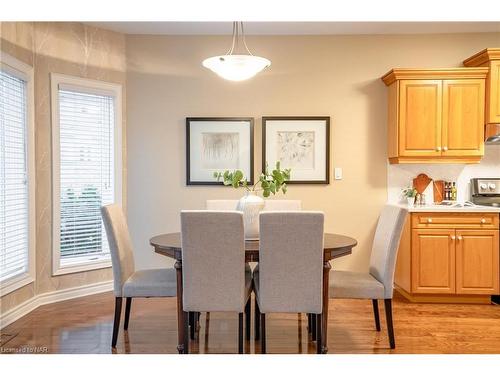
(270, 204)
(213, 260)
(291, 261)
(385, 246)
(120, 245)
(222, 204)
(282, 205)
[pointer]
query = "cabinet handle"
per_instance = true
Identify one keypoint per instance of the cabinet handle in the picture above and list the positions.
(483, 221)
(438, 148)
(429, 220)
(453, 238)
(445, 148)
(459, 238)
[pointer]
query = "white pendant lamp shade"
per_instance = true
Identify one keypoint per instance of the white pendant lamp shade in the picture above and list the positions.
(236, 67)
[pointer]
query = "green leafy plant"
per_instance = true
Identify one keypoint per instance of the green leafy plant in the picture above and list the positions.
(409, 192)
(269, 182)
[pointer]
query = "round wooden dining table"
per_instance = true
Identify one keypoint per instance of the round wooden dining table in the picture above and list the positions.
(335, 246)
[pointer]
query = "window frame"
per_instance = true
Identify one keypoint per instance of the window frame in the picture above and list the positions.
(23, 71)
(89, 86)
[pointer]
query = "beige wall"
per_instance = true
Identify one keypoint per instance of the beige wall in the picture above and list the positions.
(74, 49)
(337, 76)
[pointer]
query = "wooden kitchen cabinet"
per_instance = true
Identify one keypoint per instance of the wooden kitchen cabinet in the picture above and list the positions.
(433, 258)
(490, 59)
(449, 257)
(477, 262)
(436, 115)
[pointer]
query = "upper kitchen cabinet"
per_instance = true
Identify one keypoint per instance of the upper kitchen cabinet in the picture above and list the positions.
(436, 115)
(490, 58)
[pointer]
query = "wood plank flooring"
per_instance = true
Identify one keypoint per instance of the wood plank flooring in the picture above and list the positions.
(84, 325)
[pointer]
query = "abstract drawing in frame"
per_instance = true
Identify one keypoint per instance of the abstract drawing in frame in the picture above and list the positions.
(299, 143)
(216, 144)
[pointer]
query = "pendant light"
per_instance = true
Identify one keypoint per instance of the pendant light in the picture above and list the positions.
(236, 67)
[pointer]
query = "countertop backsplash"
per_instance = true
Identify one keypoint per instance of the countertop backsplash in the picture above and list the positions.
(402, 175)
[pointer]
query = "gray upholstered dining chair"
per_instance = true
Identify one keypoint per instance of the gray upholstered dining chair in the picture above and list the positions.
(270, 204)
(215, 275)
(129, 283)
(288, 278)
(378, 283)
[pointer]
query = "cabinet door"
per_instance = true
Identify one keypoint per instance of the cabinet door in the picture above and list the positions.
(420, 106)
(477, 262)
(463, 117)
(433, 261)
(493, 94)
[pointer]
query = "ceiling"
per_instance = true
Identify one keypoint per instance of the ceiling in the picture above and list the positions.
(298, 28)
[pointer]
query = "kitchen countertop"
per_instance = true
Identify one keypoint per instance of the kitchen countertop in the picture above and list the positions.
(440, 208)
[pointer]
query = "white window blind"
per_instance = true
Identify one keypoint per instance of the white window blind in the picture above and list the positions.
(14, 199)
(87, 173)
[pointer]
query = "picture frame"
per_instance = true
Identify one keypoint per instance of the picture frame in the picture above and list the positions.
(215, 144)
(301, 143)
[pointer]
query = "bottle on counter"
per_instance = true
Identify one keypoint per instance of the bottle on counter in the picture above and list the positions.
(453, 192)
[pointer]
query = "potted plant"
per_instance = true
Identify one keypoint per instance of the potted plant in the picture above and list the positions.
(409, 193)
(269, 182)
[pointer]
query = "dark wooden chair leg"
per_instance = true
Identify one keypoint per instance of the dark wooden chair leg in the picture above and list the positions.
(263, 333)
(309, 323)
(257, 320)
(317, 317)
(388, 317)
(128, 305)
(376, 314)
(248, 318)
(192, 324)
(314, 324)
(186, 330)
(240, 333)
(116, 324)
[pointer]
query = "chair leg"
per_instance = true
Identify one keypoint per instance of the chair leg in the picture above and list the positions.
(263, 333)
(309, 322)
(192, 324)
(388, 317)
(314, 324)
(186, 332)
(240, 333)
(257, 320)
(317, 317)
(376, 315)
(116, 324)
(248, 318)
(128, 305)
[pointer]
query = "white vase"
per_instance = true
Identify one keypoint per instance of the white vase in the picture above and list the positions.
(411, 201)
(251, 205)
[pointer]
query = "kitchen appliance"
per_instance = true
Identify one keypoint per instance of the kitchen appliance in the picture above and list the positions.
(485, 191)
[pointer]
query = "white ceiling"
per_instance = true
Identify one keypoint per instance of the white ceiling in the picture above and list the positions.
(298, 28)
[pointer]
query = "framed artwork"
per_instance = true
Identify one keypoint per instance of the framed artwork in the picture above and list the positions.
(299, 143)
(215, 144)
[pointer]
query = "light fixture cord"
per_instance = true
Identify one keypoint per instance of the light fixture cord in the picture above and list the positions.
(236, 34)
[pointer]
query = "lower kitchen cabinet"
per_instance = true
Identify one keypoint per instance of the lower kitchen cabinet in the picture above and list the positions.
(477, 262)
(449, 257)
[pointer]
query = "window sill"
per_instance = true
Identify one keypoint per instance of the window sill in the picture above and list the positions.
(81, 266)
(15, 283)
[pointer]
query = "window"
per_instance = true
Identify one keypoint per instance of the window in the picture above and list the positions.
(17, 227)
(86, 146)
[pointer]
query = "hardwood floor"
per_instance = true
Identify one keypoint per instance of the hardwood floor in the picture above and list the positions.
(84, 325)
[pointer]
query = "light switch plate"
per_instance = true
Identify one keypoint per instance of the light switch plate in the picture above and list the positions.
(338, 173)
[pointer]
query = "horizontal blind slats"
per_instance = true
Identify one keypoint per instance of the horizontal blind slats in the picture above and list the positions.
(14, 229)
(86, 140)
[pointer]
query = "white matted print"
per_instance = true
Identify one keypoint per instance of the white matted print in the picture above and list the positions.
(218, 144)
(298, 143)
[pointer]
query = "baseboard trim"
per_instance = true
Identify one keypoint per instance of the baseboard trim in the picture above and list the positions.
(445, 298)
(28, 306)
